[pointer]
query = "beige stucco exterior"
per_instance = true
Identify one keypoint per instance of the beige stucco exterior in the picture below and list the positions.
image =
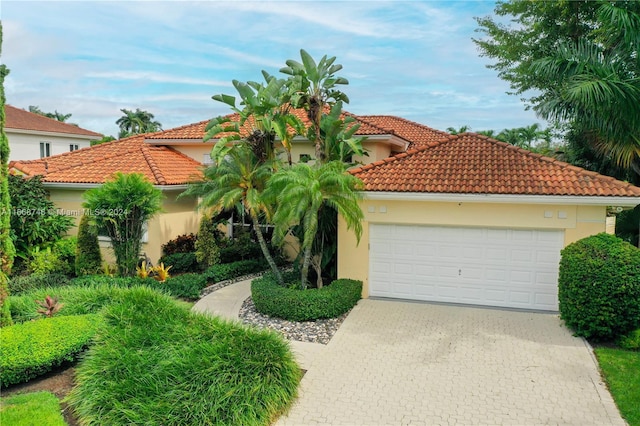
(178, 216)
(577, 221)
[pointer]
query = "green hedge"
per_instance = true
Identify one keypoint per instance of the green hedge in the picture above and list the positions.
(225, 271)
(304, 305)
(181, 262)
(157, 363)
(20, 284)
(36, 347)
(187, 286)
(599, 287)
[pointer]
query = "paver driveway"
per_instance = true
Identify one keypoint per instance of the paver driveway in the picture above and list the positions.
(400, 363)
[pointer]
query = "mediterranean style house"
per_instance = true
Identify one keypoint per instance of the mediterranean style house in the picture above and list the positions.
(462, 219)
(32, 136)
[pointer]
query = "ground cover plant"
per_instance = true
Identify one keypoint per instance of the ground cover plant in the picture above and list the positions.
(270, 298)
(177, 367)
(36, 347)
(621, 370)
(26, 409)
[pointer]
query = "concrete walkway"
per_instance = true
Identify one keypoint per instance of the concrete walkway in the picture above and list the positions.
(401, 363)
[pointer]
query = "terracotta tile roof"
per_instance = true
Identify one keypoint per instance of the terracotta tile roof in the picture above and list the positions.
(196, 131)
(160, 164)
(416, 133)
(17, 118)
(474, 164)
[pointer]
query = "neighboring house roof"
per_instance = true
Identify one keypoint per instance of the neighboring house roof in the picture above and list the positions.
(94, 165)
(474, 164)
(417, 134)
(20, 119)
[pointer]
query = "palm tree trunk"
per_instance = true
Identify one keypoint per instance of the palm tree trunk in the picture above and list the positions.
(265, 250)
(305, 267)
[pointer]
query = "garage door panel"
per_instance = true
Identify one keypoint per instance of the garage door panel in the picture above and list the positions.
(486, 266)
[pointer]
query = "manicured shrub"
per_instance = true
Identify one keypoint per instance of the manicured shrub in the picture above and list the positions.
(181, 244)
(66, 251)
(41, 408)
(240, 249)
(207, 244)
(187, 286)
(294, 304)
(226, 271)
(123, 282)
(181, 262)
(630, 341)
(88, 256)
(43, 261)
(157, 363)
(599, 287)
(36, 347)
(20, 284)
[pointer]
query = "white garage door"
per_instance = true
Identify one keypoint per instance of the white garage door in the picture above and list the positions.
(481, 266)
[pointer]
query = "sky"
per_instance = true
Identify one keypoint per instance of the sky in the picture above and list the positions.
(413, 59)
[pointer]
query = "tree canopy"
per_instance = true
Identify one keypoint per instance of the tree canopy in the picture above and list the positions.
(137, 122)
(55, 115)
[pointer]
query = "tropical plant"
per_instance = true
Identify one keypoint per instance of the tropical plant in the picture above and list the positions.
(301, 192)
(160, 272)
(238, 181)
(49, 306)
(137, 122)
(7, 249)
(121, 207)
(461, 129)
(88, 256)
(142, 271)
(206, 246)
(55, 115)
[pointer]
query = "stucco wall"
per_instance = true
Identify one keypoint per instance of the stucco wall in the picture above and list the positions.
(27, 146)
(353, 259)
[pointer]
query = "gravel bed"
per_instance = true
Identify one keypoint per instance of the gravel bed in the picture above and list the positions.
(217, 286)
(318, 331)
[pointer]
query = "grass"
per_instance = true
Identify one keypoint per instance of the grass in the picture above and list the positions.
(621, 371)
(155, 362)
(36, 408)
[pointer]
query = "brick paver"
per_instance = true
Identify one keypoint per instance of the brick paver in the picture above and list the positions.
(400, 363)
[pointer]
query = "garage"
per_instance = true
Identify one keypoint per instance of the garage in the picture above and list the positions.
(515, 268)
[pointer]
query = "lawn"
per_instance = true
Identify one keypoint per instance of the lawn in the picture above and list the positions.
(37, 408)
(621, 371)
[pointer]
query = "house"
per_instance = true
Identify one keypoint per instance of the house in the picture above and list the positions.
(33, 136)
(462, 219)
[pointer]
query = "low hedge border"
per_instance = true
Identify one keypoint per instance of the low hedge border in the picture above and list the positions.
(293, 304)
(226, 271)
(36, 347)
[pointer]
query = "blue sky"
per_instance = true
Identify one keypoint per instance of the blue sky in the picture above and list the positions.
(412, 59)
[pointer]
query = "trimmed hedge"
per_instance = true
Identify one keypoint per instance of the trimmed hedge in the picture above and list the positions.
(181, 262)
(157, 363)
(304, 305)
(599, 287)
(225, 271)
(36, 347)
(20, 284)
(187, 286)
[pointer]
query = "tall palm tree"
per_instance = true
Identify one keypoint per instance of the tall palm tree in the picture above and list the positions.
(462, 129)
(598, 85)
(238, 181)
(137, 122)
(300, 193)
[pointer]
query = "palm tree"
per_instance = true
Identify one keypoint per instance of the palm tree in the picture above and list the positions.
(598, 89)
(301, 192)
(462, 129)
(137, 122)
(238, 181)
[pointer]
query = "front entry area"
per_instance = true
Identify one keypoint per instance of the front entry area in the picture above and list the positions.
(514, 268)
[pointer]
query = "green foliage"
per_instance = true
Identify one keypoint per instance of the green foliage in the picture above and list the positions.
(226, 271)
(181, 244)
(187, 286)
(88, 257)
(207, 246)
(21, 284)
(5, 310)
(58, 116)
(43, 262)
(181, 262)
(35, 222)
(599, 287)
(621, 371)
(137, 122)
(630, 341)
(294, 304)
(41, 408)
(36, 347)
(122, 206)
(158, 363)
(628, 225)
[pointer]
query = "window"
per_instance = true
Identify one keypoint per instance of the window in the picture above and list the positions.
(45, 149)
(207, 160)
(73, 147)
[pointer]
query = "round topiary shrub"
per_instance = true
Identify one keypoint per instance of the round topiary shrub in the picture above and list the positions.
(294, 304)
(599, 287)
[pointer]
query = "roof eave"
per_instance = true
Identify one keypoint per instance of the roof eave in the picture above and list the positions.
(504, 198)
(86, 186)
(56, 134)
